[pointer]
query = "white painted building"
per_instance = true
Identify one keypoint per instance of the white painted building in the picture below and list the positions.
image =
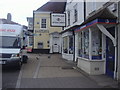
(74, 17)
(97, 40)
(93, 27)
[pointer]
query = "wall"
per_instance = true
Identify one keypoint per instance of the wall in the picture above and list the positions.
(119, 44)
(91, 67)
(80, 8)
(43, 34)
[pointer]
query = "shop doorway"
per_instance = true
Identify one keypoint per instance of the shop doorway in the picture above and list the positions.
(110, 54)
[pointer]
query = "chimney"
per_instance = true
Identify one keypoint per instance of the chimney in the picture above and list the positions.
(9, 17)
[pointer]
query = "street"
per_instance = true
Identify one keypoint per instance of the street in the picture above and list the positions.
(47, 71)
(9, 77)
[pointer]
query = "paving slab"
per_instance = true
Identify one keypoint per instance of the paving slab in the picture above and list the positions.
(51, 71)
(59, 82)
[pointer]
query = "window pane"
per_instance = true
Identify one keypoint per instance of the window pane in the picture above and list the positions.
(65, 45)
(86, 44)
(43, 26)
(70, 44)
(43, 20)
(96, 44)
(80, 44)
(43, 23)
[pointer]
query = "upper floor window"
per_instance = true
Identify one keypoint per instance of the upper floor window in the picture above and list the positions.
(43, 23)
(68, 18)
(75, 13)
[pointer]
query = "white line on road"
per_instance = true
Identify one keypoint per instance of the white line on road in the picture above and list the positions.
(37, 70)
(19, 79)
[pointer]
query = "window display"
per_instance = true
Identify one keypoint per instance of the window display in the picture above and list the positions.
(83, 44)
(68, 44)
(86, 44)
(65, 45)
(80, 44)
(96, 44)
(71, 44)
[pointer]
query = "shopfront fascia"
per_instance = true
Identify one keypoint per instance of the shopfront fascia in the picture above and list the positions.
(94, 40)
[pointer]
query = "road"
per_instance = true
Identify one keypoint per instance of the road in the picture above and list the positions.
(9, 77)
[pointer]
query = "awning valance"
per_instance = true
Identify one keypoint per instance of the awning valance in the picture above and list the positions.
(96, 21)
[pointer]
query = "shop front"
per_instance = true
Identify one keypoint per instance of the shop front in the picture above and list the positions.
(97, 49)
(68, 45)
(55, 42)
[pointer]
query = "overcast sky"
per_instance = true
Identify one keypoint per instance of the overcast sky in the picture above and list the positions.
(20, 9)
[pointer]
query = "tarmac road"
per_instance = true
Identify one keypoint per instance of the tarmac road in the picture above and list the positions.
(9, 78)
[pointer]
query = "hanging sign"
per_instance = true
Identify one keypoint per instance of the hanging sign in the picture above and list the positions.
(58, 20)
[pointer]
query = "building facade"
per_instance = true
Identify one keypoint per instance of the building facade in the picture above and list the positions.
(30, 34)
(95, 37)
(44, 33)
(74, 17)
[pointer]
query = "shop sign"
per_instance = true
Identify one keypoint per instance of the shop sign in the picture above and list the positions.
(58, 20)
(41, 31)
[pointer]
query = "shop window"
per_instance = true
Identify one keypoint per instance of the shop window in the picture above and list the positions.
(83, 43)
(86, 44)
(80, 44)
(65, 45)
(70, 44)
(96, 44)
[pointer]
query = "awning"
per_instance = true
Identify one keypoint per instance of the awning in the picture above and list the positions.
(99, 23)
(100, 14)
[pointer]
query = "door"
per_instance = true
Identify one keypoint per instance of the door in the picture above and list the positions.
(110, 54)
(55, 45)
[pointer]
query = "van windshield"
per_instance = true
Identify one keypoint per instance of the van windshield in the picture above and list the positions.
(9, 42)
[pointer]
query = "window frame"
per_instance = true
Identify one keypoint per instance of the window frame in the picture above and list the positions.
(68, 24)
(75, 14)
(43, 23)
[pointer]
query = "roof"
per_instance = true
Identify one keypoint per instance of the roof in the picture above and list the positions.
(101, 14)
(5, 21)
(55, 7)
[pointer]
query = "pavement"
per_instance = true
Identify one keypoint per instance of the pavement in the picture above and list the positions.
(51, 71)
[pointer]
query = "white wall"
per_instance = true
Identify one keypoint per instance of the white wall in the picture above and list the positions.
(119, 53)
(80, 9)
(92, 67)
(119, 43)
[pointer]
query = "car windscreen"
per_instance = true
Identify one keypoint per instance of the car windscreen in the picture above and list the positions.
(9, 42)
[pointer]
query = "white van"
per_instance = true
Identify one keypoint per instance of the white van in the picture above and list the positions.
(10, 45)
